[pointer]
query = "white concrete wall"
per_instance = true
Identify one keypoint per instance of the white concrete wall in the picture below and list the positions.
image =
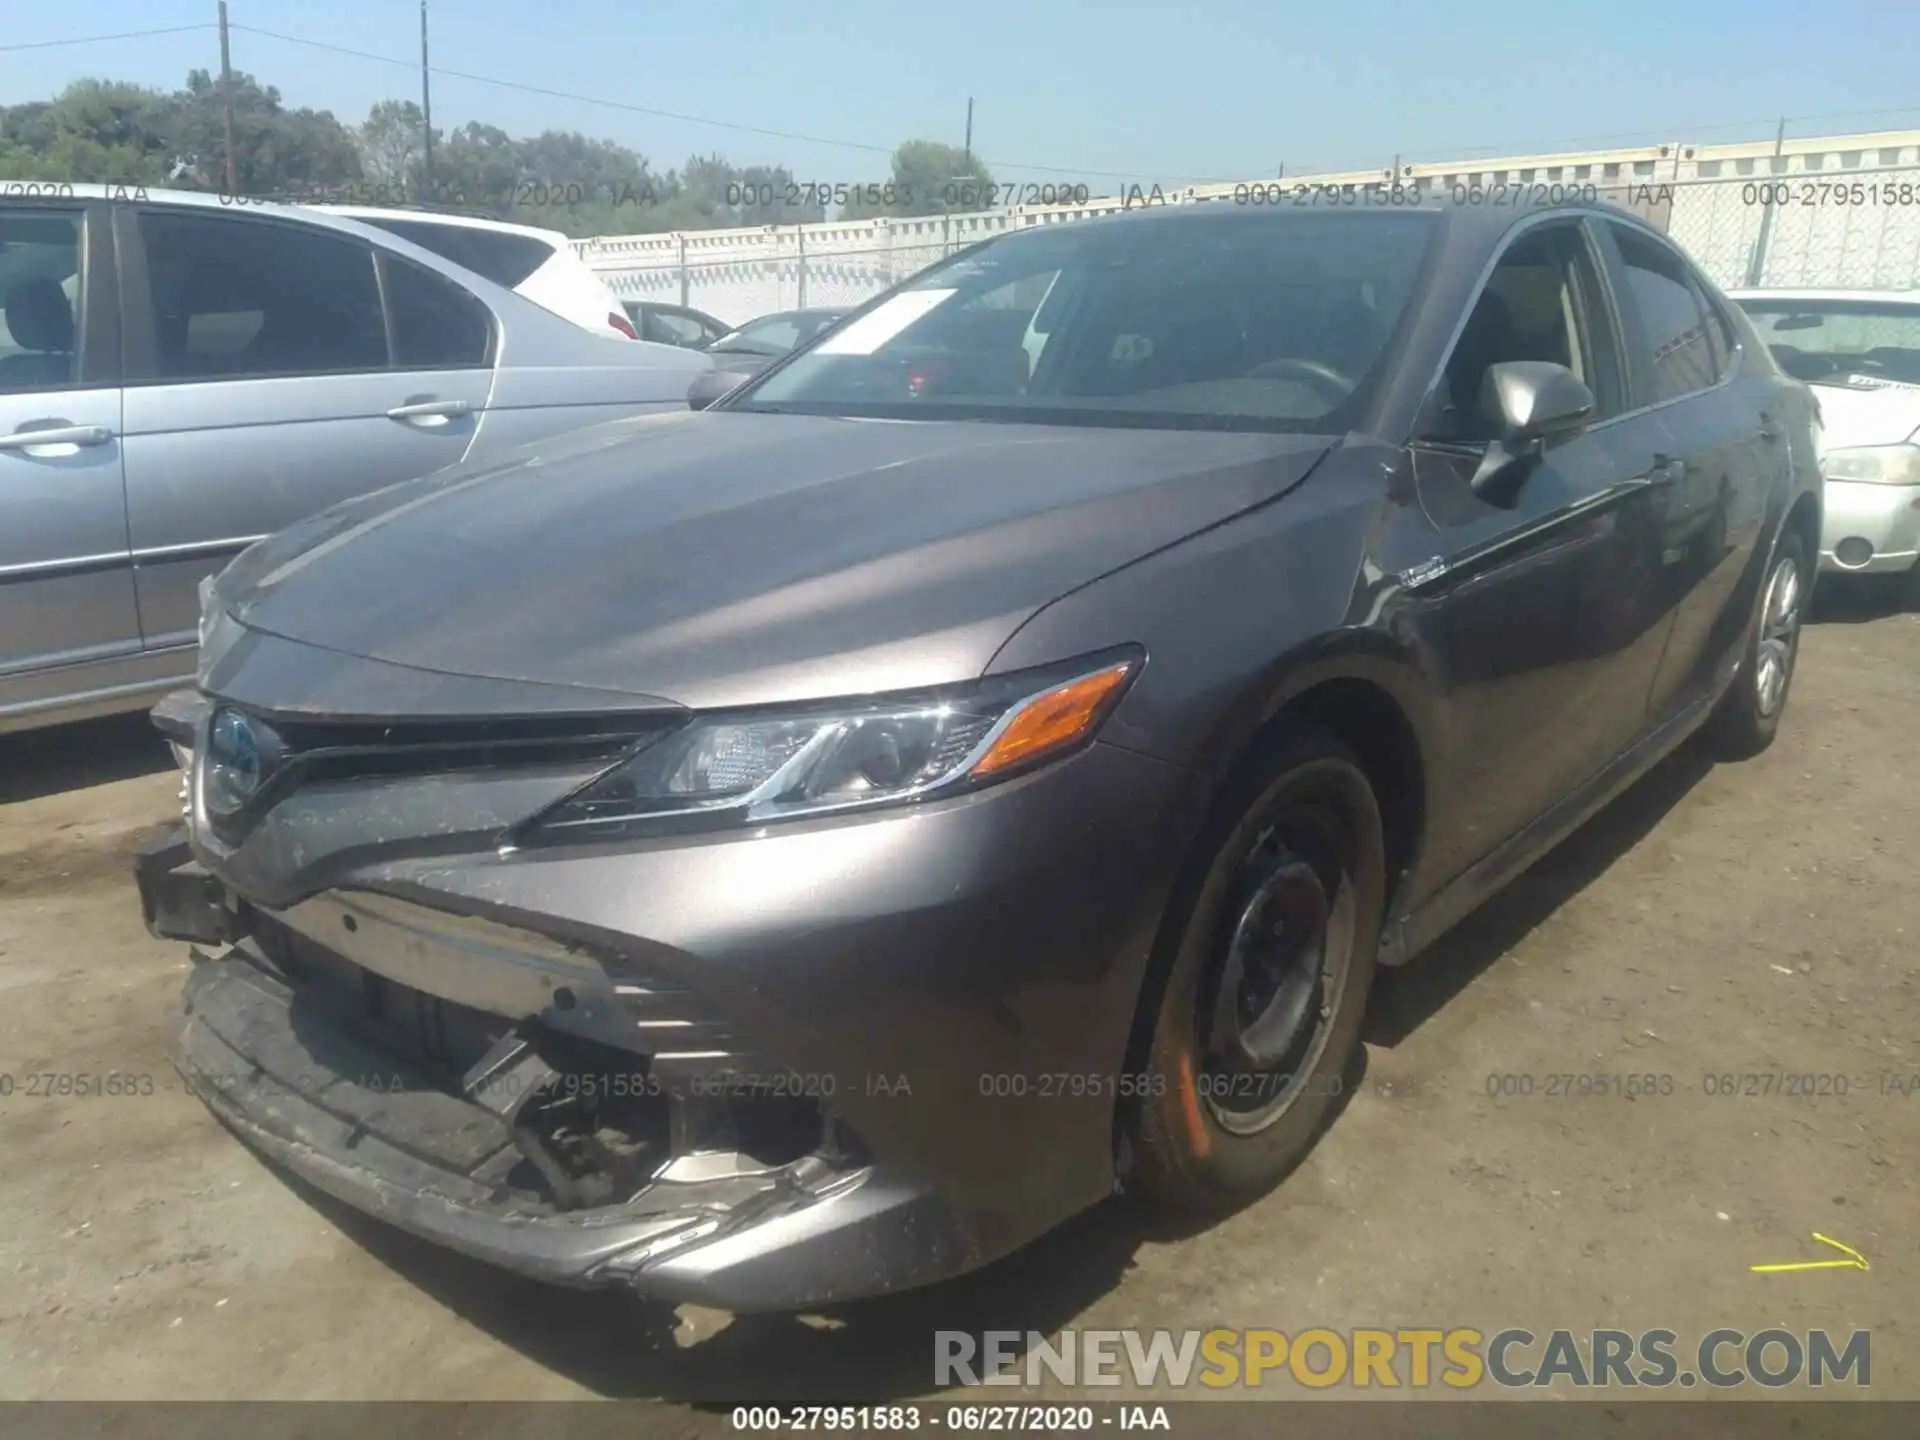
(1703, 193)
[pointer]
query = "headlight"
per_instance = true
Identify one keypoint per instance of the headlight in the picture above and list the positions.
(1874, 464)
(775, 765)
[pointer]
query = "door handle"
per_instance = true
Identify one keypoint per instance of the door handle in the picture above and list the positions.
(426, 408)
(56, 432)
(1666, 470)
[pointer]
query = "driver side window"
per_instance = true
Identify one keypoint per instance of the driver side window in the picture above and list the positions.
(1542, 302)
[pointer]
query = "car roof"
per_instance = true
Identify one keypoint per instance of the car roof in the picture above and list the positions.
(63, 190)
(344, 218)
(1871, 297)
(437, 217)
(1470, 229)
(1463, 213)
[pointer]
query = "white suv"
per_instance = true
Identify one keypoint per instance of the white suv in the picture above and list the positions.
(539, 264)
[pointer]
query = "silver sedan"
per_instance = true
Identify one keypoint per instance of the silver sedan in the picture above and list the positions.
(182, 374)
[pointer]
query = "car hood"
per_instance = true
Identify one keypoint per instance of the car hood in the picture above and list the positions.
(725, 558)
(1867, 412)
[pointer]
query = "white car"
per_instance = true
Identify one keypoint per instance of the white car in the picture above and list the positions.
(1860, 350)
(539, 264)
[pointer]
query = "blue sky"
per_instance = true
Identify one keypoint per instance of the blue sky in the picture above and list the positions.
(1064, 92)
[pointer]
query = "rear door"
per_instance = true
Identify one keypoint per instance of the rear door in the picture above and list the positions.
(274, 368)
(66, 586)
(1717, 459)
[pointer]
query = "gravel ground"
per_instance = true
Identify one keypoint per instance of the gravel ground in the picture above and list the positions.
(1751, 919)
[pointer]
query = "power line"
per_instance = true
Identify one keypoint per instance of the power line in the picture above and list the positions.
(1450, 152)
(101, 39)
(562, 94)
(688, 119)
(1666, 133)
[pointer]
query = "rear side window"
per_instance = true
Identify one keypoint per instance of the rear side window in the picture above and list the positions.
(39, 300)
(1679, 357)
(502, 258)
(245, 299)
(436, 324)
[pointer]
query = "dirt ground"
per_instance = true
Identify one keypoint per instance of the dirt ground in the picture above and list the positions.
(1733, 920)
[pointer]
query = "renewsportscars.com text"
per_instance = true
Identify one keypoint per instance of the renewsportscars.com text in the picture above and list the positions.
(1415, 1359)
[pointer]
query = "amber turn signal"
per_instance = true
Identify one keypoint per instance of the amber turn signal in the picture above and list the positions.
(1052, 719)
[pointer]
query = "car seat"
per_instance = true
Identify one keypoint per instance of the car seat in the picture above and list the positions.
(40, 318)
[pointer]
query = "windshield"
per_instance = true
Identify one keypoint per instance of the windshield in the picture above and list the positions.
(1261, 322)
(1828, 341)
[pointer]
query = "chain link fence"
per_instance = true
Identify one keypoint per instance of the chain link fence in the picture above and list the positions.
(1811, 225)
(1846, 229)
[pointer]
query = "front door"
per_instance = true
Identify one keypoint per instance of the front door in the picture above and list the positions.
(1548, 635)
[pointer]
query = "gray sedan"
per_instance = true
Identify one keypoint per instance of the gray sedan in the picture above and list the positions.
(180, 376)
(811, 846)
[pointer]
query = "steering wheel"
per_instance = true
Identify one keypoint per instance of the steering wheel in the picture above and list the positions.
(1328, 381)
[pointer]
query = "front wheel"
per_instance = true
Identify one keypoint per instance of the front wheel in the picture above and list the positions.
(1262, 1005)
(1749, 713)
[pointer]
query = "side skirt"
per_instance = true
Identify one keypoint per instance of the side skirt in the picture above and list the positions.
(1411, 933)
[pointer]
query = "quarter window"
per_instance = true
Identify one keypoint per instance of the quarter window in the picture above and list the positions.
(500, 256)
(239, 299)
(1678, 354)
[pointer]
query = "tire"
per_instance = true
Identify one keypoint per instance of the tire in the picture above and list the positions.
(1240, 1077)
(1748, 715)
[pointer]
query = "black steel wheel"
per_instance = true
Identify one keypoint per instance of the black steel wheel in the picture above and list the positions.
(1274, 956)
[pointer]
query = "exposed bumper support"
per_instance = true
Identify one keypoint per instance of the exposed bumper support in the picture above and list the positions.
(329, 1109)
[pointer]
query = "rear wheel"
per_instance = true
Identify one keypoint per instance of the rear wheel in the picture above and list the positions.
(1263, 1002)
(1749, 713)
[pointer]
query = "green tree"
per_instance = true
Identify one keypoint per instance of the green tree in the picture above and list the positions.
(928, 178)
(277, 151)
(110, 131)
(94, 130)
(391, 141)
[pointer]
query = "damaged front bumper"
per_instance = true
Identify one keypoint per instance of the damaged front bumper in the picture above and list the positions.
(468, 1164)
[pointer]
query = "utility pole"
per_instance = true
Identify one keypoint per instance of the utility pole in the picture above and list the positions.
(426, 98)
(226, 99)
(968, 167)
(1757, 262)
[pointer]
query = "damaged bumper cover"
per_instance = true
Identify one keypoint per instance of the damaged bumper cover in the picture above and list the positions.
(370, 1130)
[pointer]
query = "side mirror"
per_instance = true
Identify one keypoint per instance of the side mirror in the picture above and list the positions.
(1530, 402)
(709, 385)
